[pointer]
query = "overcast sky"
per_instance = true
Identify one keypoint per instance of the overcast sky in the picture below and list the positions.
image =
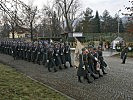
(113, 6)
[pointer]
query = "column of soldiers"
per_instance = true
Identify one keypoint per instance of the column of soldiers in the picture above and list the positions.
(91, 64)
(52, 55)
(55, 55)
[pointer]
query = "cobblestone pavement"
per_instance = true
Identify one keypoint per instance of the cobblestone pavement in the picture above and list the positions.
(116, 85)
(109, 53)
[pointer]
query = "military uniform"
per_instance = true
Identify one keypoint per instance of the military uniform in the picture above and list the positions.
(29, 53)
(101, 60)
(124, 55)
(83, 68)
(45, 54)
(68, 54)
(91, 60)
(57, 57)
(38, 58)
(62, 55)
(51, 60)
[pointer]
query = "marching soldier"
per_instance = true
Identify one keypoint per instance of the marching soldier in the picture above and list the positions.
(10, 47)
(57, 56)
(97, 63)
(91, 60)
(101, 60)
(67, 54)
(95, 54)
(34, 52)
(29, 52)
(62, 55)
(21, 50)
(24, 51)
(14, 50)
(45, 54)
(38, 58)
(83, 67)
(51, 60)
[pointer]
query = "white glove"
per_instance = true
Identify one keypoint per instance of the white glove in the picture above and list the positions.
(96, 59)
(83, 67)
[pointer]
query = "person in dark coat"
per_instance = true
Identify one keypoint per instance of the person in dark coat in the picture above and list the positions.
(39, 54)
(51, 60)
(62, 56)
(21, 50)
(101, 60)
(82, 68)
(124, 55)
(34, 52)
(17, 50)
(91, 60)
(14, 50)
(24, 51)
(29, 48)
(45, 54)
(57, 56)
(95, 54)
(67, 53)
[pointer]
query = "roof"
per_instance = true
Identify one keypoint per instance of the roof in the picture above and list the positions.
(118, 39)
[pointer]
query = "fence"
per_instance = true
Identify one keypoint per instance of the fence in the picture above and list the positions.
(107, 36)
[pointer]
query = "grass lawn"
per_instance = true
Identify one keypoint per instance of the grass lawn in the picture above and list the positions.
(15, 86)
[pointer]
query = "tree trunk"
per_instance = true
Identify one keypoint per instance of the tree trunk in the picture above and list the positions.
(31, 31)
(67, 23)
(13, 33)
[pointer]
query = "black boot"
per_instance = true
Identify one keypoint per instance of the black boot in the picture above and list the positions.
(65, 66)
(100, 74)
(71, 65)
(60, 67)
(55, 70)
(89, 78)
(104, 72)
(79, 79)
(39, 62)
(49, 70)
(95, 76)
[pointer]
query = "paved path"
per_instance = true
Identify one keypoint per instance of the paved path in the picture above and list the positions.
(116, 85)
(109, 53)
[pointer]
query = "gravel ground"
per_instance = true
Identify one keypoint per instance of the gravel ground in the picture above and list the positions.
(116, 85)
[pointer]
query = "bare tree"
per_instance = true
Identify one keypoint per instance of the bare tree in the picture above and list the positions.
(69, 10)
(30, 18)
(129, 9)
(52, 20)
(129, 13)
(19, 14)
(9, 8)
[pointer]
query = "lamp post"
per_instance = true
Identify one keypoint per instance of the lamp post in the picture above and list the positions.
(118, 23)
